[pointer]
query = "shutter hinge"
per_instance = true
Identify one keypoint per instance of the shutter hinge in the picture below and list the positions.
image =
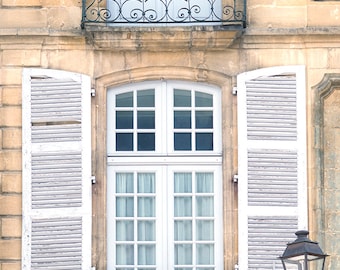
(93, 92)
(93, 268)
(234, 91)
(235, 178)
(93, 179)
(236, 267)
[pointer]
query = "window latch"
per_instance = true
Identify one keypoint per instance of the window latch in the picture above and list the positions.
(93, 179)
(234, 91)
(235, 178)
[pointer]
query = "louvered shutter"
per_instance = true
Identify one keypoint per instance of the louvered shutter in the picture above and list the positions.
(272, 163)
(56, 129)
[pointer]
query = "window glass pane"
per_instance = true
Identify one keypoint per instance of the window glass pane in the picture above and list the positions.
(182, 183)
(146, 98)
(204, 230)
(182, 98)
(124, 142)
(124, 182)
(204, 141)
(204, 119)
(205, 254)
(146, 207)
(124, 230)
(183, 254)
(203, 99)
(146, 230)
(146, 119)
(183, 230)
(146, 182)
(183, 206)
(182, 141)
(124, 206)
(146, 141)
(204, 182)
(182, 119)
(124, 119)
(204, 206)
(146, 254)
(124, 100)
(135, 223)
(124, 254)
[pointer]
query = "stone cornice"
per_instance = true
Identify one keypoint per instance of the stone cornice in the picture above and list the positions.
(162, 38)
(210, 38)
(291, 37)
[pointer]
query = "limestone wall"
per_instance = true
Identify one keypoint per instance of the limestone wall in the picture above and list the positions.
(47, 34)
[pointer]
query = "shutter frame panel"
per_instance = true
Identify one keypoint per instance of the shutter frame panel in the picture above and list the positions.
(56, 147)
(272, 190)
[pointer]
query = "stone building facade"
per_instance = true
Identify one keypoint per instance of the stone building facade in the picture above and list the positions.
(39, 34)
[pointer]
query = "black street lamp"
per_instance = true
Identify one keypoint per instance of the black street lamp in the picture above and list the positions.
(302, 252)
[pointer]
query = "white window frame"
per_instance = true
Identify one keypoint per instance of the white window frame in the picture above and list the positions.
(164, 120)
(164, 195)
(163, 161)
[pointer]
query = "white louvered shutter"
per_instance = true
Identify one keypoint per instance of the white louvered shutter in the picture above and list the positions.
(272, 163)
(56, 126)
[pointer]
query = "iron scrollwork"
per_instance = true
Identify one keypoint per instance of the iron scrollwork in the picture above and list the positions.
(163, 11)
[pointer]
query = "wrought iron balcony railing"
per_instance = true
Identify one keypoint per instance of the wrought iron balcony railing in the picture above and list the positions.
(164, 12)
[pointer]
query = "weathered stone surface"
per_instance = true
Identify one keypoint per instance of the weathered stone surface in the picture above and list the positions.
(11, 95)
(11, 138)
(10, 116)
(33, 18)
(11, 266)
(10, 160)
(11, 183)
(10, 205)
(11, 227)
(10, 249)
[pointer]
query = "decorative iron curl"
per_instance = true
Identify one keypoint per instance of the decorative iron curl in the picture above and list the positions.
(105, 14)
(163, 11)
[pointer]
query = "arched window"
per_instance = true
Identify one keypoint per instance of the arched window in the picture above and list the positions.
(164, 179)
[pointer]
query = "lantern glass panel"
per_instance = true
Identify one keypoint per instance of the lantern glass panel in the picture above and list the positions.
(298, 263)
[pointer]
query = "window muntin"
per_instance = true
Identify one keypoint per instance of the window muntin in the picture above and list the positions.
(193, 120)
(165, 209)
(134, 218)
(148, 115)
(184, 199)
(194, 235)
(135, 118)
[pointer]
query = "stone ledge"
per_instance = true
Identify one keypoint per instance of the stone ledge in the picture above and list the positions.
(307, 37)
(162, 38)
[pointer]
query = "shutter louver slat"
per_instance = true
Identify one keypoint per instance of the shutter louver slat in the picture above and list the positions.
(56, 243)
(56, 165)
(57, 170)
(271, 108)
(55, 100)
(272, 158)
(272, 178)
(267, 238)
(56, 133)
